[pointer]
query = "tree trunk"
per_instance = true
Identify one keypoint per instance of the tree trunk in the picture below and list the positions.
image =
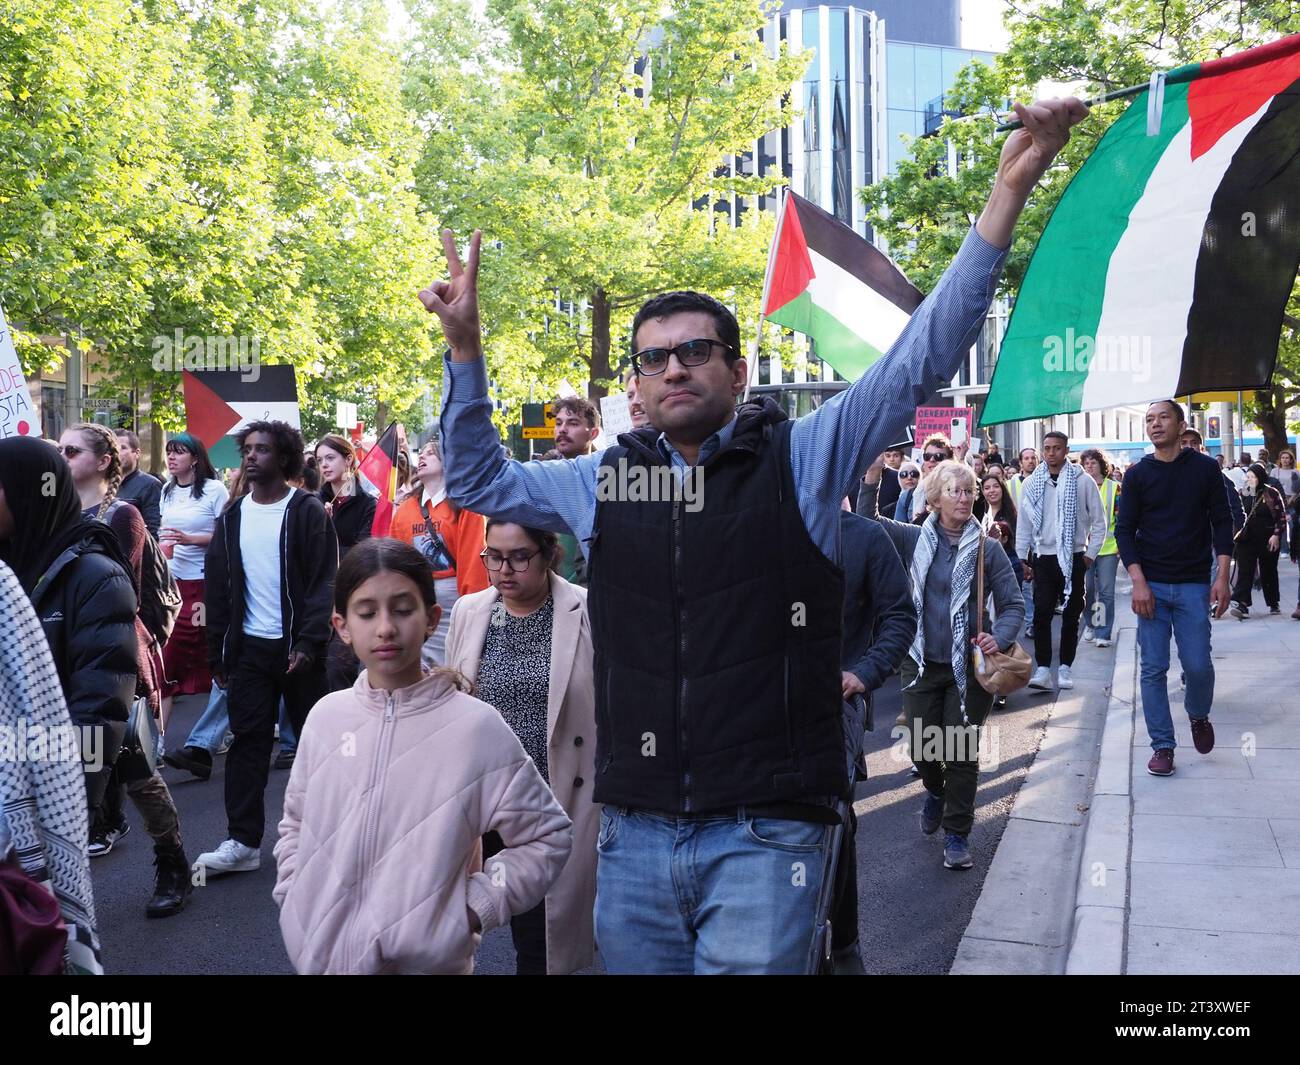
(1272, 419)
(381, 417)
(600, 368)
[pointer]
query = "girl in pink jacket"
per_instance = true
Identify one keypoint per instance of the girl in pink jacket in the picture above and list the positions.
(379, 863)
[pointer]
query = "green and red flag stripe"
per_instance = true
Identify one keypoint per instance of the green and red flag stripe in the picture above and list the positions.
(829, 283)
(1167, 264)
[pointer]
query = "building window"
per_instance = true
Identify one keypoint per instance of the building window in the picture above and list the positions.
(812, 173)
(841, 160)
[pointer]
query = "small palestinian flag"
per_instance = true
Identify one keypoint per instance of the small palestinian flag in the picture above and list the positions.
(825, 281)
(233, 398)
(379, 467)
(1167, 264)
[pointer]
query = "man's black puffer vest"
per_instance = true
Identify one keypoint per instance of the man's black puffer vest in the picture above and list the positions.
(717, 634)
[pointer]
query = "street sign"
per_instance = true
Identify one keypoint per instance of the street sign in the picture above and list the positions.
(101, 404)
(539, 416)
(539, 432)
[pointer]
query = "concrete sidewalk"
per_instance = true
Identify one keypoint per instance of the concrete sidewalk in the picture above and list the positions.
(1198, 872)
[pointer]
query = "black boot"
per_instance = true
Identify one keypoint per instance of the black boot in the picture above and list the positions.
(172, 887)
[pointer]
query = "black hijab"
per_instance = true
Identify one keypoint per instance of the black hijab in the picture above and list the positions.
(40, 494)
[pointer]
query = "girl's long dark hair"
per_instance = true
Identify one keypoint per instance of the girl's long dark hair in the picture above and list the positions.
(383, 554)
(1007, 506)
(203, 468)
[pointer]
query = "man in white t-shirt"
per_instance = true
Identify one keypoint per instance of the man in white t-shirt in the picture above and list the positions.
(270, 575)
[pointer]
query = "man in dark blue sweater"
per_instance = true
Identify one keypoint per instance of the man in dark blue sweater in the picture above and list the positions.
(1172, 511)
(879, 626)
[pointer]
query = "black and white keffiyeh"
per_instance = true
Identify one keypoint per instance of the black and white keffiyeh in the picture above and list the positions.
(963, 573)
(43, 799)
(1067, 497)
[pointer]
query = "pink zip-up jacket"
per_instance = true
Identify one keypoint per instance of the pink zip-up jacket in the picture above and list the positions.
(379, 860)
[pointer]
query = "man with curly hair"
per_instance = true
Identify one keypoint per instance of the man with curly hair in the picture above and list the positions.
(270, 571)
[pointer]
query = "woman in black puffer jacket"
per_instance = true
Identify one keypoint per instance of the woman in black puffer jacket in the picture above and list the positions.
(74, 573)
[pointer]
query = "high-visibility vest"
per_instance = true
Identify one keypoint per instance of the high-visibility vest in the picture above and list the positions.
(1109, 492)
(1015, 484)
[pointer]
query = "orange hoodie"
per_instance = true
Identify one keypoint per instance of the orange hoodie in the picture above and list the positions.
(462, 532)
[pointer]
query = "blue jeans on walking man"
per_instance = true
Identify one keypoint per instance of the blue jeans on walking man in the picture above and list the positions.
(209, 731)
(1182, 610)
(1099, 584)
(726, 894)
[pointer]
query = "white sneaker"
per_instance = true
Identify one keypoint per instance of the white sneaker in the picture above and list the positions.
(1103, 643)
(1088, 635)
(1063, 678)
(231, 857)
(1042, 679)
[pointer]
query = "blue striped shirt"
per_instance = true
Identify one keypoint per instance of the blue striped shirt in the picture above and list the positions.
(829, 448)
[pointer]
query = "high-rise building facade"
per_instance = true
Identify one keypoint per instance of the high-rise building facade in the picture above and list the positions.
(876, 72)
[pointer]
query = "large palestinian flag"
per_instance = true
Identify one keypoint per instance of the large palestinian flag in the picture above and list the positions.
(825, 281)
(1166, 266)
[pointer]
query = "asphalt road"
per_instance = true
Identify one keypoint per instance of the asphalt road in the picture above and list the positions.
(912, 910)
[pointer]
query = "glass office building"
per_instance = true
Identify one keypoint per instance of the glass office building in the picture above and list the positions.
(875, 72)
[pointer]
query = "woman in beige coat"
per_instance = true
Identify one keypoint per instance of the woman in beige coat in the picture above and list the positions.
(525, 643)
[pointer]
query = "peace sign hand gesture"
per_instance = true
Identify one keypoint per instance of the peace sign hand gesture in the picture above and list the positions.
(455, 301)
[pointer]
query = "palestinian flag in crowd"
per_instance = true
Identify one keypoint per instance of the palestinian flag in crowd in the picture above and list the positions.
(379, 467)
(1167, 264)
(219, 403)
(825, 281)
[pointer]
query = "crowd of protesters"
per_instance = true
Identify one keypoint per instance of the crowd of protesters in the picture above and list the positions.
(587, 715)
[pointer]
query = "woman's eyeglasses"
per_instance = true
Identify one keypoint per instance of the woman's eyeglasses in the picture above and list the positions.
(518, 561)
(70, 451)
(908, 475)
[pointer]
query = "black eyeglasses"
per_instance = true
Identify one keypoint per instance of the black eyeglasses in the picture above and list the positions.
(70, 451)
(518, 560)
(654, 361)
(908, 475)
(934, 456)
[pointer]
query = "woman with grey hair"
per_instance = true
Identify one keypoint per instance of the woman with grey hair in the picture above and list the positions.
(941, 697)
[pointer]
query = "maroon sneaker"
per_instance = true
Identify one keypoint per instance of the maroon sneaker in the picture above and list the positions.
(1162, 763)
(1203, 734)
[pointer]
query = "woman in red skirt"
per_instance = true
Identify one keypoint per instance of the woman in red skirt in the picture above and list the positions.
(192, 500)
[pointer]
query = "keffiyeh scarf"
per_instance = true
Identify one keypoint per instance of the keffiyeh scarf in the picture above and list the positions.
(963, 573)
(1067, 496)
(43, 800)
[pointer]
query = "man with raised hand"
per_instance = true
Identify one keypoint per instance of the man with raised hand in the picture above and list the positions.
(717, 624)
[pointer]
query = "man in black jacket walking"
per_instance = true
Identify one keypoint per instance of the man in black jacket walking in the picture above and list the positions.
(270, 572)
(1172, 513)
(137, 487)
(879, 626)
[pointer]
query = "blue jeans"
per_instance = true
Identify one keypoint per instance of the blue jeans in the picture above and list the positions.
(1182, 610)
(1099, 611)
(1027, 590)
(731, 894)
(288, 741)
(210, 729)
